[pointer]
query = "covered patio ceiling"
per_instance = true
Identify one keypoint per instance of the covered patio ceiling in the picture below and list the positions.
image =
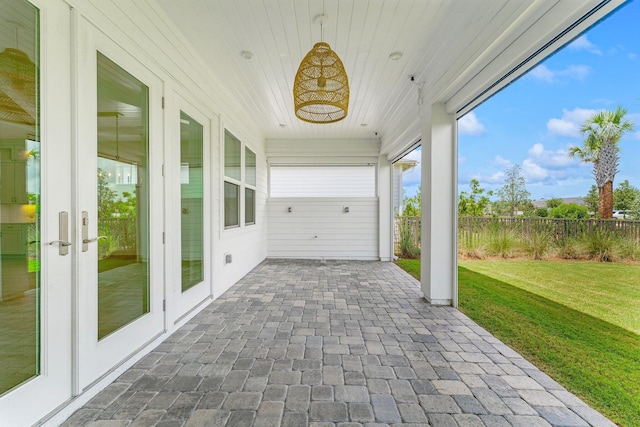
(457, 50)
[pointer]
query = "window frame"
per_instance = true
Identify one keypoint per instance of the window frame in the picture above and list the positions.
(241, 183)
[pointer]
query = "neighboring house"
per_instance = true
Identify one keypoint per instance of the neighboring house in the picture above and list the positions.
(192, 103)
(399, 168)
(542, 203)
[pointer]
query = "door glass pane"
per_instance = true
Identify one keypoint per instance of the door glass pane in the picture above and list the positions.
(192, 220)
(19, 194)
(123, 197)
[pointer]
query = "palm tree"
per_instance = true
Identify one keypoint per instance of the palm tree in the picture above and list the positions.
(603, 131)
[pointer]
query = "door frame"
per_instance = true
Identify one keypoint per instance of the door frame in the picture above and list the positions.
(32, 400)
(95, 358)
(181, 304)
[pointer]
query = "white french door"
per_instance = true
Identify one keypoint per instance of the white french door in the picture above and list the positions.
(119, 201)
(35, 201)
(189, 181)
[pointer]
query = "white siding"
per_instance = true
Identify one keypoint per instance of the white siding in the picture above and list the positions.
(327, 152)
(397, 189)
(319, 228)
(323, 181)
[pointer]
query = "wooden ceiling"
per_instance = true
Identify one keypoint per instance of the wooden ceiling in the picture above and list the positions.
(452, 52)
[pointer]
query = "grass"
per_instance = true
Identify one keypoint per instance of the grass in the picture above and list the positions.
(608, 291)
(563, 335)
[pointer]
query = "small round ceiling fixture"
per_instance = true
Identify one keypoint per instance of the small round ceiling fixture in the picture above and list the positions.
(394, 56)
(247, 55)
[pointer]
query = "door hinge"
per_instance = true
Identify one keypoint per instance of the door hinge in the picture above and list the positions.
(163, 237)
(163, 169)
(163, 102)
(164, 305)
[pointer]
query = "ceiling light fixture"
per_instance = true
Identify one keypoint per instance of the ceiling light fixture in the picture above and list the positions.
(321, 86)
(394, 56)
(17, 85)
(246, 54)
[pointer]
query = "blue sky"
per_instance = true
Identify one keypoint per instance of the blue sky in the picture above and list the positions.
(536, 119)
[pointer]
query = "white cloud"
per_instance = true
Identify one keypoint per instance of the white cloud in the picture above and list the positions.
(542, 73)
(469, 125)
(632, 56)
(575, 72)
(533, 172)
(570, 123)
(502, 162)
(414, 155)
(635, 119)
(549, 167)
(583, 43)
(572, 72)
(550, 158)
(495, 178)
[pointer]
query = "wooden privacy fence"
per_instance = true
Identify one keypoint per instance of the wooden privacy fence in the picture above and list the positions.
(559, 228)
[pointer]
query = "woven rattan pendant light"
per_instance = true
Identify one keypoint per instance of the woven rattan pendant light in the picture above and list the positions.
(321, 86)
(17, 86)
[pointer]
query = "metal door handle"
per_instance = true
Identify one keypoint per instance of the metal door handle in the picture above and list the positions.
(63, 234)
(62, 243)
(95, 239)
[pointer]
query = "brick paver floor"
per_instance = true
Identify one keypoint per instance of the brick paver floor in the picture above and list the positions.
(345, 344)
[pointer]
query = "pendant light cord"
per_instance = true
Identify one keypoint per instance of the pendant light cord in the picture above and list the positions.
(322, 23)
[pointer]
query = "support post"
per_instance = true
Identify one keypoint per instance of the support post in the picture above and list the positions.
(385, 208)
(439, 207)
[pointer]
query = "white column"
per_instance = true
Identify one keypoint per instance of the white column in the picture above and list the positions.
(439, 212)
(385, 208)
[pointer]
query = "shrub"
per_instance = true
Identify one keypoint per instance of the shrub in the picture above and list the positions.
(501, 242)
(569, 210)
(407, 242)
(630, 249)
(472, 245)
(536, 244)
(602, 245)
(567, 248)
(542, 212)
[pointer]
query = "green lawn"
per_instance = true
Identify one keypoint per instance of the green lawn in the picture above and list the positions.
(554, 314)
(606, 290)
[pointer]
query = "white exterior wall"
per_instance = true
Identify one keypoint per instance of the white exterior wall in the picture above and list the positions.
(155, 44)
(397, 189)
(165, 53)
(318, 227)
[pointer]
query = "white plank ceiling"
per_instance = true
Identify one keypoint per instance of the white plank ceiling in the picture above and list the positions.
(455, 49)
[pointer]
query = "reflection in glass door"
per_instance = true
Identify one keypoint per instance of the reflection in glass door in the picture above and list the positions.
(19, 195)
(191, 196)
(123, 198)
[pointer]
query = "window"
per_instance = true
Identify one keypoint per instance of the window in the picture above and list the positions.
(239, 182)
(250, 183)
(231, 156)
(249, 206)
(323, 181)
(250, 167)
(231, 205)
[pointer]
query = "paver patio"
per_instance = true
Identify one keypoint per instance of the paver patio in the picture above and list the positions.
(341, 343)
